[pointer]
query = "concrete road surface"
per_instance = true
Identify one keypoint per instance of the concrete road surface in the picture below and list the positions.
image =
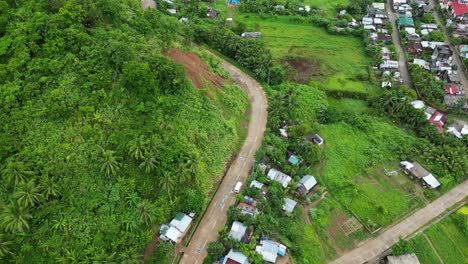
(215, 216)
(402, 65)
(373, 248)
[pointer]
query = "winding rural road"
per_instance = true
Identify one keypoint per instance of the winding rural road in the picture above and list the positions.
(370, 250)
(402, 65)
(215, 216)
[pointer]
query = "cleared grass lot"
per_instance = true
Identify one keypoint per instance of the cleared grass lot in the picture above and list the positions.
(339, 60)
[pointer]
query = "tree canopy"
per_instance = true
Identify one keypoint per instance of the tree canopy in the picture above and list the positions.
(102, 136)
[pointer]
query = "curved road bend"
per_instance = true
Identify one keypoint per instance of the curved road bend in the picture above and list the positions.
(215, 216)
(402, 65)
(373, 248)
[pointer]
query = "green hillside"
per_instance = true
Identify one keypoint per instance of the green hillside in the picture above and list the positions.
(101, 136)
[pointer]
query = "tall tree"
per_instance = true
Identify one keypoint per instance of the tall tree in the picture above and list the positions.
(5, 245)
(137, 148)
(149, 162)
(147, 212)
(49, 187)
(167, 183)
(110, 163)
(28, 194)
(15, 172)
(14, 218)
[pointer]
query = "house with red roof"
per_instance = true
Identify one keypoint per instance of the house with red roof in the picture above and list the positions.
(439, 120)
(451, 89)
(458, 10)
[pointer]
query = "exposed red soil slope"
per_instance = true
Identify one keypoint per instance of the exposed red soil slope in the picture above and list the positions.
(195, 69)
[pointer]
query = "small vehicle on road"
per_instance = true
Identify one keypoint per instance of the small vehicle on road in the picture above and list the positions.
(237, 187)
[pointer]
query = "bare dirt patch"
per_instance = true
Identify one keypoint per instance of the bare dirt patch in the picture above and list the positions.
(195, 69)
(301, 69)
(338, 239)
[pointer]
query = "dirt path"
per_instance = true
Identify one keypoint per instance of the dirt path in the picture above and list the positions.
(307, 208)
(433, 248)
(215, 216)
(151, 246)
(460, 66)
(403, 67)
(373, 248)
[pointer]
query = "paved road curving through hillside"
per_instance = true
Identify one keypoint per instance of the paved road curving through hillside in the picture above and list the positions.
(373, 248)
(215, 216)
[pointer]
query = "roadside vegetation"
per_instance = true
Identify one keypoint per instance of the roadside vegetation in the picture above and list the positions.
(367, 130)
(102, 136)
(448, 238)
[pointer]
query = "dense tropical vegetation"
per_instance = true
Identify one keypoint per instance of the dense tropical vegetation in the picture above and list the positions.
(101, 136)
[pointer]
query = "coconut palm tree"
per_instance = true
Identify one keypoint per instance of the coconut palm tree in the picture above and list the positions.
(167, 183)
(49, 187)
(137, 148)
(5, 246)
(15, 172)
(188, 169)
(147, 212)
(149, 162)
(14, 218)
(28, 194)
(110, 163)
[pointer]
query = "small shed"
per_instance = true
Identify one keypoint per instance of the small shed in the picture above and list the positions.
(289, 205)
(256, 184)
(276, 175)
(293, 160)
(238, 231)
(251, 34)
(235, 257)
(430, 181)
(306, 184)
(270, 250)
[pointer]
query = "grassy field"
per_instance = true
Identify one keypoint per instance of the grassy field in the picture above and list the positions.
(313, 251)
(329, 6)
(356, 158)
(424, 251)
(338, 60)
(448, 239)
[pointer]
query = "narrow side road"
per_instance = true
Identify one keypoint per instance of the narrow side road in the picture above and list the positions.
(373, 248)
(402, 66)
(215, 216)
